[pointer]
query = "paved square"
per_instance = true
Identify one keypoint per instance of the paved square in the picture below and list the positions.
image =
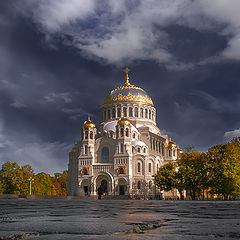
(119, 219)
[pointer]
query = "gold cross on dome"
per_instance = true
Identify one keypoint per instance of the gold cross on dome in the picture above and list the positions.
(127, 70)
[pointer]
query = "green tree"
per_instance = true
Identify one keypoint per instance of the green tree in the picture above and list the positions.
(5, 173)
(224, 162)
(194, 173)
(165, 177)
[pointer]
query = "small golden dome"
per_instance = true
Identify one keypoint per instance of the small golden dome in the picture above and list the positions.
(171, 143)
(89, 124)
(73, 150)
(123, 121)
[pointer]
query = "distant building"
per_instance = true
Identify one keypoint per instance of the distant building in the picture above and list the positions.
(121, 154)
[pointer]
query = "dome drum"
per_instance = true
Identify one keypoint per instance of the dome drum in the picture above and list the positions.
(133, 111)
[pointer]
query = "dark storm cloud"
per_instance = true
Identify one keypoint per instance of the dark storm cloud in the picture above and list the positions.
(60, 59)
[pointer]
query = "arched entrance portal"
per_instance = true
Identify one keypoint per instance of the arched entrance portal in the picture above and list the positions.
(104, 187)
(103, 184)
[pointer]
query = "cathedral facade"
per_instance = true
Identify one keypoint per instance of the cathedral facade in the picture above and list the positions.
(120, 155)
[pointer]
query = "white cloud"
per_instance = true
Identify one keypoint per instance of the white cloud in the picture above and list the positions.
(55, 14)
(228, 136)
(120, 32)
(54, 97)
(18, 104)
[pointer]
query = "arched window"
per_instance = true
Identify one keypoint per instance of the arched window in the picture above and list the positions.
(174, 153)
(111, 135)
(85, 171)
(119, 112)
(139, 167)
(135, 112)
(127, 132)
(144, 150)
(86, 134)
(113, 113)
(130, 112)
(141, 113)
(169, 153)
(105, 115)
(132, 149)
(117, 133)
(146, 113)
(157, 167)
(121, 147)
(109, 114)
(121, 170)
(150, 184)
(105, 155)
(134, 135)
(150, 167)
(122, 132)
(91, 135)
(124, 111)
(159, 147)
(150, 116)
(86, 149)
(139, 185)
(138, 150)
(154, 144)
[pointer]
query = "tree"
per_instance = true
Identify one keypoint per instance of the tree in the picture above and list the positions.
(5, 173)
(165, 177)
(224, 162)
(59, 183)
(19, 179)
(194, 173)
(42, 184)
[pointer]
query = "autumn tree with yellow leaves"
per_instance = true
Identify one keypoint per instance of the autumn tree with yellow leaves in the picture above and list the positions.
(14, 180)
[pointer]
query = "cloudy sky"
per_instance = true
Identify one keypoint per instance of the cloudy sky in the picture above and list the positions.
(60, 58)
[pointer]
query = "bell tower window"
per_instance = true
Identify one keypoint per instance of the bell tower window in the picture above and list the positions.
(121, 132)
(127, 132)
(91, 135)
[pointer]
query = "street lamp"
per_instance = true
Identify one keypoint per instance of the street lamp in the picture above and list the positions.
(30, 185)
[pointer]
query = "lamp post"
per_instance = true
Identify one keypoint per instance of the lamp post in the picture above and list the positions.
(30, 185)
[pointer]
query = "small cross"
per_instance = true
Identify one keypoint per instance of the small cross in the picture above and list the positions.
(127, 70)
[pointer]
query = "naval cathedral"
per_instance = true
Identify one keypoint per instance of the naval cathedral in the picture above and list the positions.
(121, 154)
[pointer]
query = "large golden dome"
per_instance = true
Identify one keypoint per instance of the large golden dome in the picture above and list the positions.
(127, 93)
